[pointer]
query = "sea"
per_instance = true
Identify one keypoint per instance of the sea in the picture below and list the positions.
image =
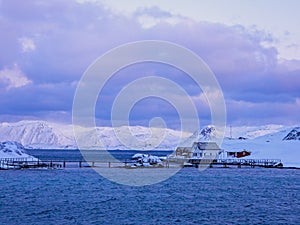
(212, 196)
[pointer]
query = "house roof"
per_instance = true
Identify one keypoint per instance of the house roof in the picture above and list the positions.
(201, 146)
(184, 148)
(207, 145)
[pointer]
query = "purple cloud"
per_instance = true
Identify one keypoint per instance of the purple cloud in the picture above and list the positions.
(53, 42)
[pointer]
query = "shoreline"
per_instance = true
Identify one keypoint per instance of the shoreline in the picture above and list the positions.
(16, 164)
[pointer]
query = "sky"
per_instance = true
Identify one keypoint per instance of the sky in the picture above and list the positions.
(252, 47)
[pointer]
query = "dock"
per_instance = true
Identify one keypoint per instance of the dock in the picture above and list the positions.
(23, 163)
(18, 163)
(266, 163)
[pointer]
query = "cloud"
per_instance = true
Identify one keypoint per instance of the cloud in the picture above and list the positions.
(13, 78)
(27, 44)
(38, 101)
(149, 17)
(53, 43)
(263, 113)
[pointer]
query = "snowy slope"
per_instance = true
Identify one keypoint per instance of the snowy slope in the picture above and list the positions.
(210, 133)
(293, 135)
(263, 141)
(135, 137)
(252, 132)
(45, 135)
(34, 134)
(269, 146)
(10, 149)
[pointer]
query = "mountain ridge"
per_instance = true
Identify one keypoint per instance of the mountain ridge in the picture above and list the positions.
(49, 135)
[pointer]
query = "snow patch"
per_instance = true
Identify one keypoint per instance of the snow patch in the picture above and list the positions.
(11, 149)
(293, 135)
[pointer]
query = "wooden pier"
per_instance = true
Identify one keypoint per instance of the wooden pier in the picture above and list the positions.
(18, 163)
(22, 163)
(266, 163)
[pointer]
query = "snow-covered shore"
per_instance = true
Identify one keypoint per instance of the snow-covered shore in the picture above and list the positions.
(13, 151)
(268, 142)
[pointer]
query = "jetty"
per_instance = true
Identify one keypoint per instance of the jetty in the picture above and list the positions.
(266, 163)
(25, 163)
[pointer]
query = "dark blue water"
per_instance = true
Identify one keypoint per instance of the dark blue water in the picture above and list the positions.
(76, 155)
(215, 196)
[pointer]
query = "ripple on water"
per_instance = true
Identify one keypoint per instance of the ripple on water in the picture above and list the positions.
(215, 196)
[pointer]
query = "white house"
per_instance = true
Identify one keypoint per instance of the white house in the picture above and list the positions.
(205, 150)
(199, 150)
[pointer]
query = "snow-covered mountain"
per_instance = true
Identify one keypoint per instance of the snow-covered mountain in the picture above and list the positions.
(269, 146)
(46, 135)
(293, 135)
(270, 141)
(35, 134)
(264, 142)
(252, 132)
(10, 149)
(42, 134)
(208, 133)
(211, 133)
(13, 150)
(134, 137)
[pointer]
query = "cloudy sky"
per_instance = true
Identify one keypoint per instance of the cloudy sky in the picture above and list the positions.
(252, 47)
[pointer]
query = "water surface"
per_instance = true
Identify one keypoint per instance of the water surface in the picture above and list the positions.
(215, 196)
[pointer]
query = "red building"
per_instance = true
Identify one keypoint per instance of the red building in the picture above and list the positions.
(240, 154)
